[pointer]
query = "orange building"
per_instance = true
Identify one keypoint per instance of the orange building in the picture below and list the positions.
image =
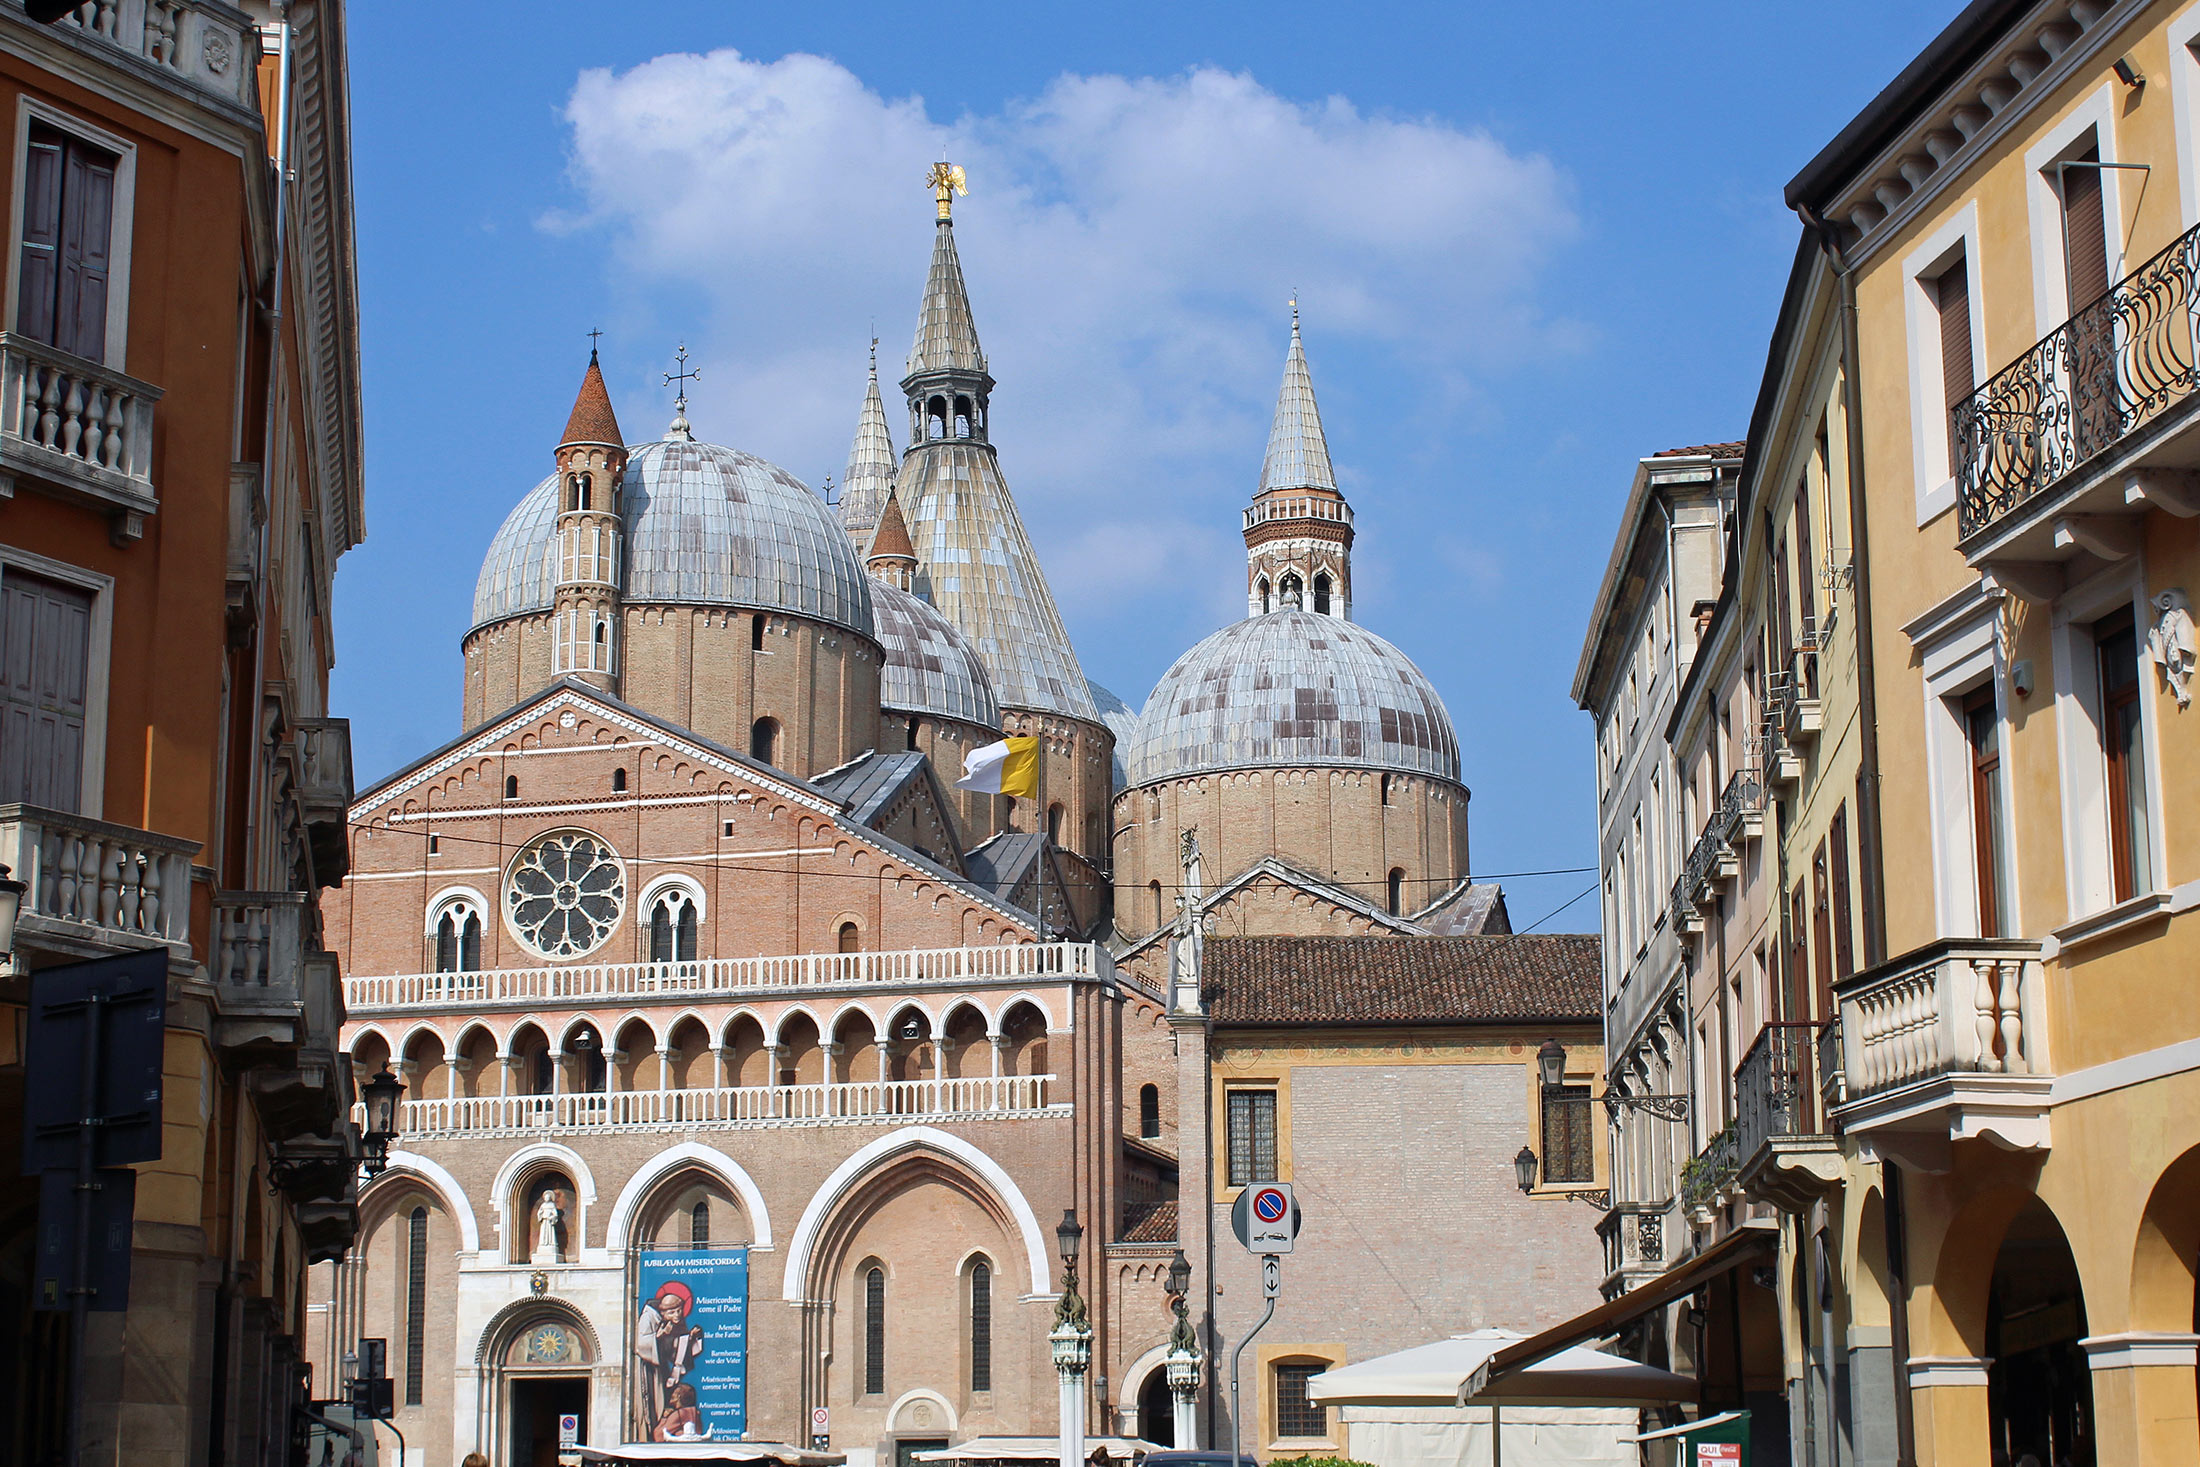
(179, 473)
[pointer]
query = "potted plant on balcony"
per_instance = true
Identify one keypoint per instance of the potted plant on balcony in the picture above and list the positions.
(1708, 1178)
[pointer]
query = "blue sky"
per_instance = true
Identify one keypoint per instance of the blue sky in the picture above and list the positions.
(1533, 244)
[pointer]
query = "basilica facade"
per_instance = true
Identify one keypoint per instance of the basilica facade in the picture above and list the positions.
(746, 1057)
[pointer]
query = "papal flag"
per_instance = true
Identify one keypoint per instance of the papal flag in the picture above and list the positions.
(1010, 767)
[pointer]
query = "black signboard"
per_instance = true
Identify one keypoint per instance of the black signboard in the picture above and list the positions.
(107, 1243)
(106, 1017)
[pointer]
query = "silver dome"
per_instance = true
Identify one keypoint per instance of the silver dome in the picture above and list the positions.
(930, 665)
(705, 525)
(1122, 721)
(1293, 688)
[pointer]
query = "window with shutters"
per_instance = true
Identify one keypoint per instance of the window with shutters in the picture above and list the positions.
(1989, 833)
(46, 629)
(1958, 368)
(1844, 950)
(1252, 1137)
(1568, 1151)
(65, 270)
(2116, 644)
(416, 1305)
(1941, 324)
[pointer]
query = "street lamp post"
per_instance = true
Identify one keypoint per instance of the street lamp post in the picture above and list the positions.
(1183, 1361)
(1072, 1341)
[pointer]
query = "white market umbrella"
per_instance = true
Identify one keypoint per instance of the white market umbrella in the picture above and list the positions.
(1438, 1374)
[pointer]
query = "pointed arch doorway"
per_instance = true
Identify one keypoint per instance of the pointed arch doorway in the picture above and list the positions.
(544, 1370)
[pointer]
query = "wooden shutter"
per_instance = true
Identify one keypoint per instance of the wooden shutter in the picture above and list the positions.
(87, 241)
(1844, 952)
(1822, 933)
(1806, 583)
(41, 235)
(1798, 945)
(45, 662)
(1952, 293)
(2085, 229)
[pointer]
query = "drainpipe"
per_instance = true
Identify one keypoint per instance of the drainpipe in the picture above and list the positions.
(1869, 843)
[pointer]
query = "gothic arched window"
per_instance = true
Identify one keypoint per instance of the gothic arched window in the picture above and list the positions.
(672, 926)
(1267, 601)
(874, 1331)
(850, 938)
(764, 740)
(511, 786)
(981, 1325)
(618, 781)
(1149, 1112)
(699, 1223)
(458, 937)
(416, 1304)
(1321, 592)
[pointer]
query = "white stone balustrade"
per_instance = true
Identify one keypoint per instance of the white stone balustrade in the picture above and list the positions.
(725, 1107)
(77, 426)
(722, 977)
(210, 46)
(1298, 509)
(95, 886)
(259, 943)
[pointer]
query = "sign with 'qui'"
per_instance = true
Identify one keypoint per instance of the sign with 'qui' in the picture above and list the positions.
(688, 1370)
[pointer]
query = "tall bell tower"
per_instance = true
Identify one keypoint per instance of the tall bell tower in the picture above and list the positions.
(1298, 529)
(591, 460)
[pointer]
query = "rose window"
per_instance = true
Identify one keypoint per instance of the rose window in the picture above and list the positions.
(565, 894)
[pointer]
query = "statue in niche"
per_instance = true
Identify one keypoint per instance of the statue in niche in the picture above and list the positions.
(547, 1216)
(2171, 644)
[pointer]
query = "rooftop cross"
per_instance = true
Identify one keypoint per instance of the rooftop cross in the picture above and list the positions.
(683, 377)
(592, 338)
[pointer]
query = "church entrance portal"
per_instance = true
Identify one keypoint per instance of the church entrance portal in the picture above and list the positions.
(537, 1403)
(907, 1447)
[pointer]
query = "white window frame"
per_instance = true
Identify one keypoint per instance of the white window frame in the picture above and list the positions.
(30, 109)
(1962, 651)
(2183, 33)
(2088, 866)
(91, 785)
(1934, 477)
(659, 885)
(452, 896)
(2094, 114)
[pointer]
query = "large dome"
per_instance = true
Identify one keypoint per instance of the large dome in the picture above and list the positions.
(705, 525)
(1293, 688)
(930, 665)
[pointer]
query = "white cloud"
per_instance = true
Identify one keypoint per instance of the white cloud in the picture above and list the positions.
(1130, 245)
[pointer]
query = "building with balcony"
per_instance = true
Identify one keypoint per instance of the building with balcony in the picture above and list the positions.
(179, 476)
(2012, 221)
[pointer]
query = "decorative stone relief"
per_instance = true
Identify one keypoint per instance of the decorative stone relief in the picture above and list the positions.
(2171, 644)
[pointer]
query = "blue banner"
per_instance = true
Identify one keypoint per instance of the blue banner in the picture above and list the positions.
(688, 1377)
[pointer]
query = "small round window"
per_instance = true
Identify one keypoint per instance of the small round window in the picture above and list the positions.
(565, 894)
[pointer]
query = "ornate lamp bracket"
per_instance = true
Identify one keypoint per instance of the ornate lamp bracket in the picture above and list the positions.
(1665, 1107)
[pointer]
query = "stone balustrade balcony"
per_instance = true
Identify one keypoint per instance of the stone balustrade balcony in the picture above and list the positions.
(1944, 1044)
(202, 46)
(589, 983)
(727, 1107)
(78, 430)
(1308, 507)
(96, 888)
(323, 748)
(1634, 1235)
(278, 1008)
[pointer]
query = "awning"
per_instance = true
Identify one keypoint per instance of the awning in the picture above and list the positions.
(1438, 1374)
(1667, 1433)
(1039, 1449)
(1746, 1244)
(707, 1453)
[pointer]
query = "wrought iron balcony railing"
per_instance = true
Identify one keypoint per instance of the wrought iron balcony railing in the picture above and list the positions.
(1742, 806)
(2114, 366)
(1776, 1087)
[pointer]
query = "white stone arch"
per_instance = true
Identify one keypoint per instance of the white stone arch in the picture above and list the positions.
(902, 1006)
(611, 1032)
(541, 1025)
(893, 1144)
(525, 1159)
(825, 1032)
(432, 913)
(673, 1159)
(893, 1412)
(366, 1031)
(417, 1028)
(657, 887)
(1046, 1015)
(424, 1171)
(472, 1026)
(558, 1041)
(1135, 1376)
(778, 1026)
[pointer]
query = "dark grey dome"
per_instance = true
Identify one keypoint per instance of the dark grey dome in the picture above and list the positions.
(930, 665)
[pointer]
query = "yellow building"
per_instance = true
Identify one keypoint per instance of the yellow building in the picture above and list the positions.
(2013, 221)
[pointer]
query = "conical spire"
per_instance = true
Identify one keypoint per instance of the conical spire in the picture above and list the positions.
(592, 420)
(891, 540)
(1298, 453)
(947, 338)
(870, 478)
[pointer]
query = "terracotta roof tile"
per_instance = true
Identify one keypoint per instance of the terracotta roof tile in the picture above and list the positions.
(891, 539)
(592, 420)
(1703, 450)
(1157, 1226)
(1262, 981)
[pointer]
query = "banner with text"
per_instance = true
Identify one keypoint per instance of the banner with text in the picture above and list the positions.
(688, 1379)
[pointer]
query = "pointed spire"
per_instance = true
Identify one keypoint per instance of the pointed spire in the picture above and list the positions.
(947, 337)
(871, 462)
(1298, 452)
(592, 420)
(891, 540)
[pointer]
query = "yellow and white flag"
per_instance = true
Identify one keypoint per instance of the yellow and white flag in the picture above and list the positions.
(1010, 767)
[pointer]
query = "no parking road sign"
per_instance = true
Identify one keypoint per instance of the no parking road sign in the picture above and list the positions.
(1265, 1217)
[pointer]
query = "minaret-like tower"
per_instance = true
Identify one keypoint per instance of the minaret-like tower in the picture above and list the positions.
(975, 563)
(870, 478)
(1298, 529)
(892, 558)
(591, 461)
